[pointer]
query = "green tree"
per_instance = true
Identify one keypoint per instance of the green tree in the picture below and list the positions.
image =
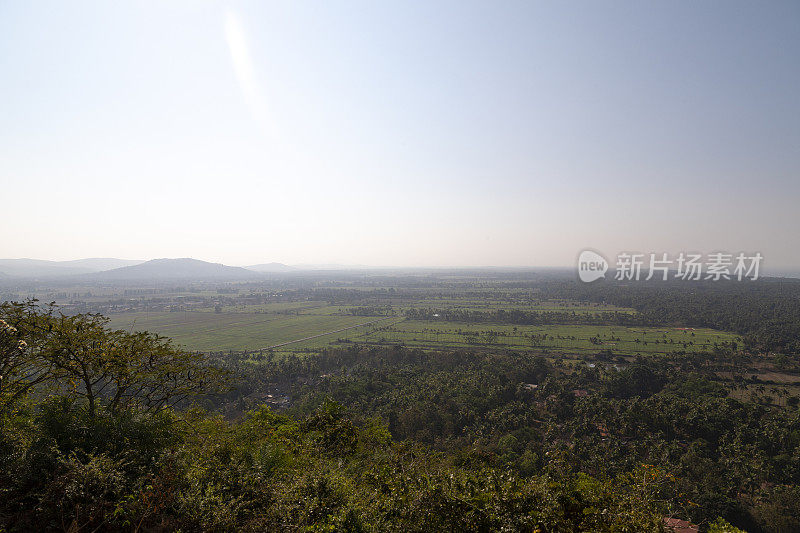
(81, 356)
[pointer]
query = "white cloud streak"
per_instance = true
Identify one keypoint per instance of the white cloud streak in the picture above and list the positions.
(244, 68)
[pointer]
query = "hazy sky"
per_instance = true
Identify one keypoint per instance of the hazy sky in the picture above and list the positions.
(399, 133)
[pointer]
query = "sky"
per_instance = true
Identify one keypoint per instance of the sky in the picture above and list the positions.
(399, 133)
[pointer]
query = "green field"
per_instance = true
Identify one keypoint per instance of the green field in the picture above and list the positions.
(308, 307)
(239, 330)
(236, 331)
(450, 302)
(568, 339)
(519, 304)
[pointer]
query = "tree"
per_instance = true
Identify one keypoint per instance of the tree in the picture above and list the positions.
(23, 328)
(79, 354)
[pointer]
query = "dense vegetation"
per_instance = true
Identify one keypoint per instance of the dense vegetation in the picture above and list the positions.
(112, 430)
(75, 457)
(517, 412)
(766, 313)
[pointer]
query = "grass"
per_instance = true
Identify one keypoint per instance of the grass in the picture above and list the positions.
(449, 302)
(232, 331)
(566, 338)
(249, 327)
(306, 307)
(473, 304)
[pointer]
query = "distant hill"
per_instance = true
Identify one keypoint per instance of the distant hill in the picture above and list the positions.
(38, 268)
(271, 267)
(99, 264)
(185, 268)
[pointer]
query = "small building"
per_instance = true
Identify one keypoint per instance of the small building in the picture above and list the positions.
(675, 525)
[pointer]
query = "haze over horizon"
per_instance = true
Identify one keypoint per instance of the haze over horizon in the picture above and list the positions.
(410, 134)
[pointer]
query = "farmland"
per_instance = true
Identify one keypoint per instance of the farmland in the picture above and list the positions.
(499, 371)
(208, 331)
(564, 338)
(375, 319)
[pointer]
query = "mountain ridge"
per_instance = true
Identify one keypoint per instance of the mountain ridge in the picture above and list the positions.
(31, 268)
(271, 267)
(175, 268)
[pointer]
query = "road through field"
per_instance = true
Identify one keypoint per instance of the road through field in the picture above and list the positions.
(328, 333)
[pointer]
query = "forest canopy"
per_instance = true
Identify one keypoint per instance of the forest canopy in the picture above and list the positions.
(103, 429)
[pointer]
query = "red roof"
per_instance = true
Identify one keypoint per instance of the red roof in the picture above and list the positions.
(680, 526)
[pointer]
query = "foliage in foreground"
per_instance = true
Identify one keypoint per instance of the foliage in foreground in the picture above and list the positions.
(734, 455)
(64, 469)
(91, 439)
